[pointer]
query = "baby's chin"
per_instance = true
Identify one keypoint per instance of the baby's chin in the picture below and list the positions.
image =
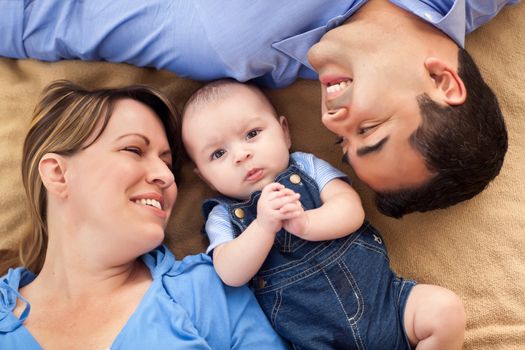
(259, 186)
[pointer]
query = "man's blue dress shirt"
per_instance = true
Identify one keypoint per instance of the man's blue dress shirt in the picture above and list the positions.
(266, 40)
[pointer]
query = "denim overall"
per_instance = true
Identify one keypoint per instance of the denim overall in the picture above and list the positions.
(337, 294)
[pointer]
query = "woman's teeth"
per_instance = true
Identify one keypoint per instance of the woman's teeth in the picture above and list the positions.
(151, 202)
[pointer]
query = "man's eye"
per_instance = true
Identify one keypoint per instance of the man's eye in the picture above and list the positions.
(364, 130)
(217, 154)
(252, 133)
(135, 150)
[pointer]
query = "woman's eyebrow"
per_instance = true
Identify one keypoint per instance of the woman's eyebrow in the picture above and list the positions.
(135, 134)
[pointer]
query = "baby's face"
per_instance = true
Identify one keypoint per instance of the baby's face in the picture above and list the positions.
(237, 143)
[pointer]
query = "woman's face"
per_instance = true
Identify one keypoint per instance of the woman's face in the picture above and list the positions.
(121, 189)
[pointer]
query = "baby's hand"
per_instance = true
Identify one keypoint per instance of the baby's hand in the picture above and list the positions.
(298, 220)
(275, 206)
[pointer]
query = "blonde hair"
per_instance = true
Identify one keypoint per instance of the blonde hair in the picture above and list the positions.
(66, 117)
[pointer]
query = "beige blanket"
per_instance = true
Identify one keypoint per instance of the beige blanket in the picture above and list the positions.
(476, 248)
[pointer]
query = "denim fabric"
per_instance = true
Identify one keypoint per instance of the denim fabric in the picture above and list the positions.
(337, 294)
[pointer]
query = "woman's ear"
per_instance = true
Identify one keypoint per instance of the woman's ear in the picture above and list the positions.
(284, 125)
(52, 168)
(448, 85)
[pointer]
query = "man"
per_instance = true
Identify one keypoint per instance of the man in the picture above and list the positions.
(395, 87)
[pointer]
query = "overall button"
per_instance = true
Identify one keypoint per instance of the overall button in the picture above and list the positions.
(239, 213)
(261, 282)
(295, 179)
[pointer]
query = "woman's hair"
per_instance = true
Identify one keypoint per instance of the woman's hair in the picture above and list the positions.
(66, 117)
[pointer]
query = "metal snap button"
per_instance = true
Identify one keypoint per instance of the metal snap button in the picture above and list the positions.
(239, 213)
(295, 179)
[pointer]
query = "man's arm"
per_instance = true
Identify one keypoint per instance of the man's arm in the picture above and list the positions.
(165, 34)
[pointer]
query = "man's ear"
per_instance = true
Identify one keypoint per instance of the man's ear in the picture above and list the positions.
(52, 168)
(449, 86)
(284, 125)
(197, 172)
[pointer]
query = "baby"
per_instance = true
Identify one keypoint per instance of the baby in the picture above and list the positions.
(292, 226)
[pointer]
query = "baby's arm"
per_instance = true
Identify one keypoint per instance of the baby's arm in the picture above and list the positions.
(238, 260)
(340, 214)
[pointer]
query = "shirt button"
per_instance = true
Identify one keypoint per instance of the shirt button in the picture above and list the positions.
(295, 179)
(239, 213)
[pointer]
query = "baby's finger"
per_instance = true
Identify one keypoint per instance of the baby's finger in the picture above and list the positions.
(289, 207)
(272, 187)
(279, 202)
(290, 215)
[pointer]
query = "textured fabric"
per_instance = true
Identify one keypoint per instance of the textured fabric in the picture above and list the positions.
(218, 226)
(475, 248)
(323, 295)
(175, 313)
(205, 39)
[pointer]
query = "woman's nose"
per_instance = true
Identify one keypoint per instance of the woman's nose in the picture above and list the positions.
(161, 175)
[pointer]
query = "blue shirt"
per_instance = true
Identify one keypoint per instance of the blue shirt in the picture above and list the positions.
(218, 225)
(186, 307)
(265, 40)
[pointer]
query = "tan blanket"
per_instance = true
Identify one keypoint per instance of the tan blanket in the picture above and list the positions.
(476, 248)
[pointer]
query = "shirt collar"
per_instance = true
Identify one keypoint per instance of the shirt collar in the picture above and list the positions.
(444, 15)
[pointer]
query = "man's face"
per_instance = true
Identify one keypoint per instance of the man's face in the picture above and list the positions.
(369, 95)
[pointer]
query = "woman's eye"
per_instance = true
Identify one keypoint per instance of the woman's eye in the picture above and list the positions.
(217, 154)
(135, 150)
(252, 133)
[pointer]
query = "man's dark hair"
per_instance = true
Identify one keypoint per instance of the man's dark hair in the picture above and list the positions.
(463, 145)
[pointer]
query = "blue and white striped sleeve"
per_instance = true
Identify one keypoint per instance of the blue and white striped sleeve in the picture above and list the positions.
(319, 170)
(218, 227)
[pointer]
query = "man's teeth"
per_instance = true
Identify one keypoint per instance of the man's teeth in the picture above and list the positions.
(337, 87)
(152, 202)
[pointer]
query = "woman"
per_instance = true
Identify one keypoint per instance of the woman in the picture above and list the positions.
(97, 172)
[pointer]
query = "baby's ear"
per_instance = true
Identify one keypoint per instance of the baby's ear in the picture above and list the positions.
(197, 172)
(284, 125)
(52, 168)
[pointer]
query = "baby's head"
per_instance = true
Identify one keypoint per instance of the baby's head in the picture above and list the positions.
(235, 138)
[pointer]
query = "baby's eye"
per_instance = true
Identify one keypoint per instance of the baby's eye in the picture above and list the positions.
(339, 140)
(252, 133)
(217, 154)
(133, 149)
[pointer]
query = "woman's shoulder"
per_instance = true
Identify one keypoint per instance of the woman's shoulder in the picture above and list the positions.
(195, 269)
(10, 285)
